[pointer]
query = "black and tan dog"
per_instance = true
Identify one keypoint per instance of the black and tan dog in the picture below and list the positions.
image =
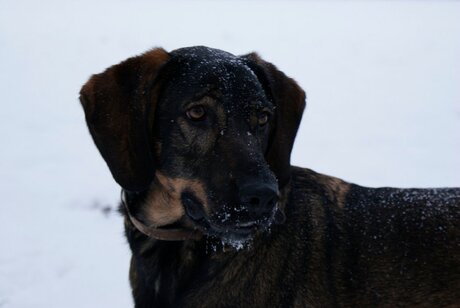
(215, 215)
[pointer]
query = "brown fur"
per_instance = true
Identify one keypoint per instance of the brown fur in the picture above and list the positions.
(105, 98)
(163, 204)
(341, 245)
(335, 189)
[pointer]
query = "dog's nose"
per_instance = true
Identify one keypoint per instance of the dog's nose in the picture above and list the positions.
(258, 198)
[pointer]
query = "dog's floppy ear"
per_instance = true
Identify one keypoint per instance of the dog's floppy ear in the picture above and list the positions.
(117, 104)
(289, 100)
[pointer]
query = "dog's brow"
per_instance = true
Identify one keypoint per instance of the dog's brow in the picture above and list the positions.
(259, 105)
(209, 90)
(203, 100)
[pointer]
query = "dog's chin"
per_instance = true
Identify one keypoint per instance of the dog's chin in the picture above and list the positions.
(230, 235)
(237, 232)
(228, 231)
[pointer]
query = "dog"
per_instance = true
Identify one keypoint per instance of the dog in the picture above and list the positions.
(215, 215)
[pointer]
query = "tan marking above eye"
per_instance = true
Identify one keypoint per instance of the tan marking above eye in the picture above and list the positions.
(196, 113)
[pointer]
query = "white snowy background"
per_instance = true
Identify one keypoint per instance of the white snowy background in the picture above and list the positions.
(383, 85)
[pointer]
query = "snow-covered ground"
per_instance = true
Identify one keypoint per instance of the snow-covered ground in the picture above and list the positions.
(383, 84)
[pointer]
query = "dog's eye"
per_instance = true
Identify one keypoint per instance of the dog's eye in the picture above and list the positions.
(196, 113)
(263, 118)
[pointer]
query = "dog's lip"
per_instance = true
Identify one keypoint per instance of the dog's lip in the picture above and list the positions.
(240, 230)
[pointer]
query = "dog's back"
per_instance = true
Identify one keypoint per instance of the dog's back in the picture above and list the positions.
(383, 246)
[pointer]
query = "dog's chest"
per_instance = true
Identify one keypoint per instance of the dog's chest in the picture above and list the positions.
(258, 277)
(238, 279)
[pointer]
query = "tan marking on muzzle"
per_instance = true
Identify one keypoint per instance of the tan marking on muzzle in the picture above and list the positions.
(164, 205)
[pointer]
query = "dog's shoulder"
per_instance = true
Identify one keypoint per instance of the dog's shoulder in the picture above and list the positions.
(307, 181)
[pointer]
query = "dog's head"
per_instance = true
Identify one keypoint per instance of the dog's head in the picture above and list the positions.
(199, 134)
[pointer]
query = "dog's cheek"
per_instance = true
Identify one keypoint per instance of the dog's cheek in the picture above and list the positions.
(197, 140)
(162, 208)
(164, 203)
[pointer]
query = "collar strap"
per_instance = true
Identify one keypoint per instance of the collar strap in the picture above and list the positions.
(158, 233)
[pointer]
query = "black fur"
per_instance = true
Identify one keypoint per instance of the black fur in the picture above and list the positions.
(341, 245)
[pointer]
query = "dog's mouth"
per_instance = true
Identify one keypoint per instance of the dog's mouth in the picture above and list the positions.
(228, 226)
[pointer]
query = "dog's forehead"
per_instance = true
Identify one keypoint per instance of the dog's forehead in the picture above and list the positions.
(200, 69)
(200, 52)
(205, 57)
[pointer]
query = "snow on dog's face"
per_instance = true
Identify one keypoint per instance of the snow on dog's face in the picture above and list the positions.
(202, 135)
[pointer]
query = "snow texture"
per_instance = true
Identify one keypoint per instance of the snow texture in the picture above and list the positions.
(382, 79)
